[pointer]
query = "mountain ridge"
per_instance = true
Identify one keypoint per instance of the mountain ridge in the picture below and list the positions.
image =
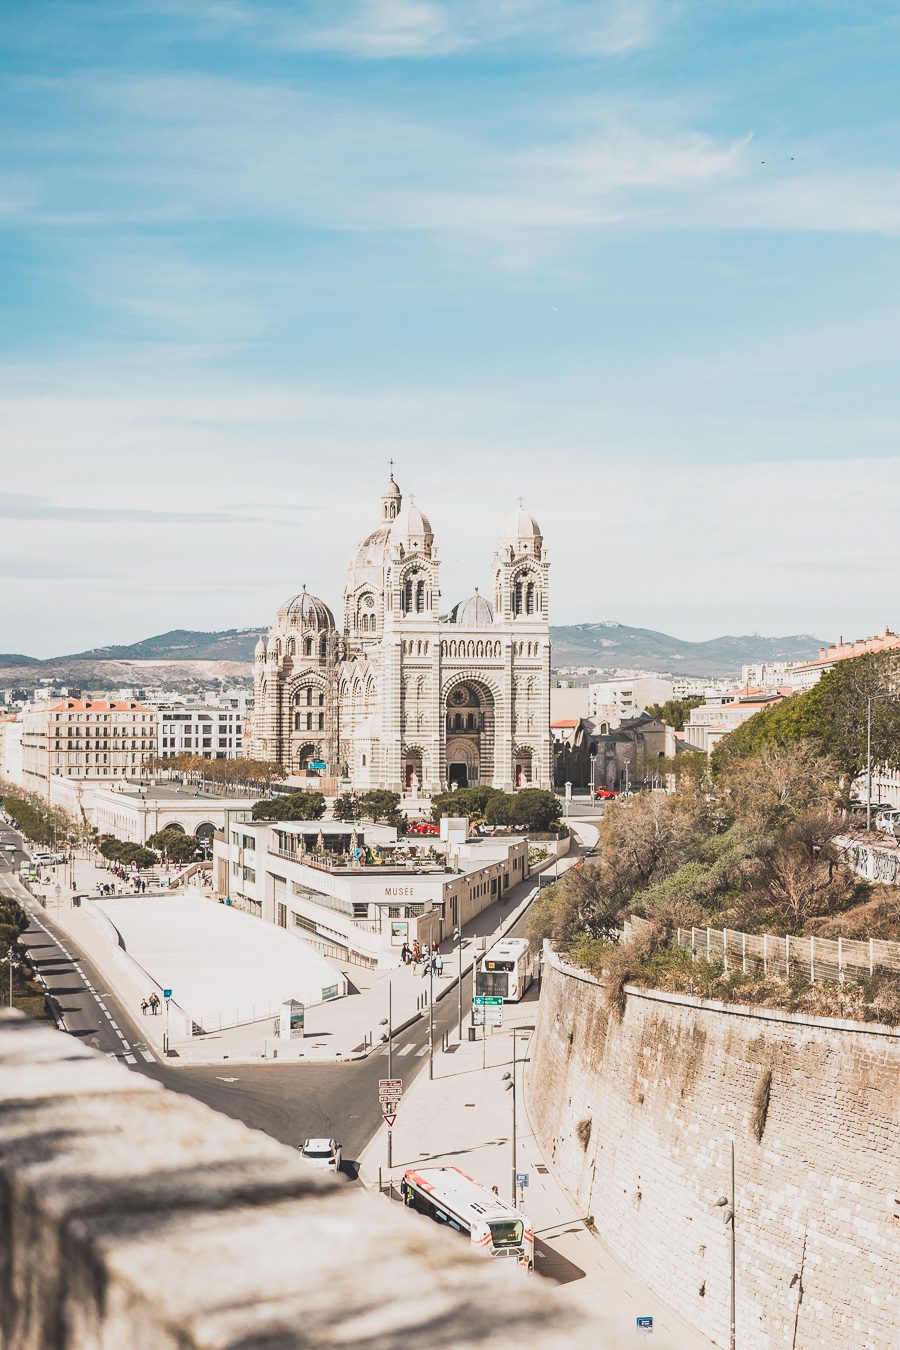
(604, 645)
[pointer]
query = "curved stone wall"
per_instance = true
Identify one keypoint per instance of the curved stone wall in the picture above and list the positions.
(636, 1116)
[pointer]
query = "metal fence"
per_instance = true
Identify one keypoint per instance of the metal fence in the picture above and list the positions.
(779, 958)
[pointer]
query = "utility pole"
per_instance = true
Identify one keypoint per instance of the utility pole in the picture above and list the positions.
(869, 762)
(430, 1015)
(457, 935)
(390, 1074)
(510, 1080)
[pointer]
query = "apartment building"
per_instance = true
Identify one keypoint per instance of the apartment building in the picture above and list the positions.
(611, 700)
(211, 731)
(85, 739)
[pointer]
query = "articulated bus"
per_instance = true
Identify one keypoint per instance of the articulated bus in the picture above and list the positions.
(505, 971)
(449, 1196)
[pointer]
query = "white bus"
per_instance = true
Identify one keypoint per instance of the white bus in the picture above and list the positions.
(505, 971)
(449, 1196)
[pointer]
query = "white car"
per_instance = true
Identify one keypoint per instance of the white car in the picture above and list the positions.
(324, 1154)
(888, 820)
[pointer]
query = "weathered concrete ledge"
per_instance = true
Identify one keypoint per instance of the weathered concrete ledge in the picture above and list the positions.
(135, 1217)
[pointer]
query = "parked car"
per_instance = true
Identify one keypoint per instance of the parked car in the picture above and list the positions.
(888, 820)
(604, 794)
(422, 827)
(323, 1154)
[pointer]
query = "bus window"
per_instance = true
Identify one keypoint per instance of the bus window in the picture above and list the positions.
(506, 1232)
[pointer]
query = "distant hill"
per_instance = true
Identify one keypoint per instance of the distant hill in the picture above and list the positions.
(181, 644)
(605, 645)
(610, 645)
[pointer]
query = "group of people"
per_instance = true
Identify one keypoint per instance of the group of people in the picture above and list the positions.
(138, 883)
(151, 1004)
(429, 957)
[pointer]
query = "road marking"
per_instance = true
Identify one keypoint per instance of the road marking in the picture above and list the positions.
(226, 1080)
(423, 1051)
(151, 1059)
(113, 1025)
(130, 1059)
(407, 1049)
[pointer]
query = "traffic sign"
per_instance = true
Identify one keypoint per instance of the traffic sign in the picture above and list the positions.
(389, 1120)
(167, 993)
(390, 1090)
(644, 1323)
(521, 1180)
(486, 1001)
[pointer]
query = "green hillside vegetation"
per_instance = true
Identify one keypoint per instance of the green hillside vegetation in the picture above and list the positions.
(831, 718)
(751, 850)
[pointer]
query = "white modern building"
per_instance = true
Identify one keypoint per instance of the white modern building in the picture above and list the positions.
(209, 730)
(356, 892)
(611, 700)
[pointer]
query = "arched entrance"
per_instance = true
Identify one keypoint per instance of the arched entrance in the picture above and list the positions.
(412, 768)
(524, 774)
(204, 833)
(469, 730)
(304, 757)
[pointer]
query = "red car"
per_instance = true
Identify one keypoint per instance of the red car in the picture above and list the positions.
(422, 827)
(605, 794)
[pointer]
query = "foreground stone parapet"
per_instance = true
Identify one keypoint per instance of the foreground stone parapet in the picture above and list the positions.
(133, 1217)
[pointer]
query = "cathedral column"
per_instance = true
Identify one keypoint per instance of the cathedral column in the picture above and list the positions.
(503, 723)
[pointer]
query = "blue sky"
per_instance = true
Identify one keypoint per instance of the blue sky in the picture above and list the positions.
(636, 261)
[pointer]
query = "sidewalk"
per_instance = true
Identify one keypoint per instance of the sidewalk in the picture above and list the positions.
(463, 1118)
(335, 1032)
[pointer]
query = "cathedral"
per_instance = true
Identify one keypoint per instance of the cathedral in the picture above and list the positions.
(407, 698)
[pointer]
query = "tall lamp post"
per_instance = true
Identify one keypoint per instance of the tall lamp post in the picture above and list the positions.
(10, 960)
(457, 938)
(390, 1045)
(430, 1015)
(727, 1204)
(510, 1080)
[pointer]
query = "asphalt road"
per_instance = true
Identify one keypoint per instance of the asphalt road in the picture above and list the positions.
(289, 1102)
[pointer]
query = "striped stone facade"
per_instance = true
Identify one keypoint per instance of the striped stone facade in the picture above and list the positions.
(405, 697)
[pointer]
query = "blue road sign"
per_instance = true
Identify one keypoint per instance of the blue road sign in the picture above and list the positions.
(167, 993)
(521, 1179)
(644, 1323)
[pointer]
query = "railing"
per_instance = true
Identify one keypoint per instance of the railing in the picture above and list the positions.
(815, 958)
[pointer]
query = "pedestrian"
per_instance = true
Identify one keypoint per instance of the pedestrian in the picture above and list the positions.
(438, 964)
(405, 954)
(495, 1190)
(144, 1006)
(416, 952)
(154, 1002)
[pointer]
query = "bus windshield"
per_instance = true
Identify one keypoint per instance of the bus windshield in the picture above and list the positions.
(506, 1232)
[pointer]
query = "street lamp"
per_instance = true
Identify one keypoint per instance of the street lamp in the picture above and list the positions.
(9, 960)
(727, 1206)
(389, 1023)
(510, 1080)
(457, 938)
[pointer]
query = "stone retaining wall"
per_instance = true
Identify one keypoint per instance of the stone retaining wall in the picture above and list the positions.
(636, 1117)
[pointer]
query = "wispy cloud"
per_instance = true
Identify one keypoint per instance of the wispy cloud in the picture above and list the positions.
(418, 29)
(23, 506)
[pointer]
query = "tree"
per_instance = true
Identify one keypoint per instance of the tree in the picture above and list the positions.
(775, 785)
(674, 711)
(380, 805)
(293, 806)
(174, 845)
(346, 807)
(832, 716)
(533, 809)
(469, 802)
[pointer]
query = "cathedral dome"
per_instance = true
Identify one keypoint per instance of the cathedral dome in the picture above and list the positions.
(306, 612)
(521, 526)
(475, 612)
(412, 527)
(373, 549)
